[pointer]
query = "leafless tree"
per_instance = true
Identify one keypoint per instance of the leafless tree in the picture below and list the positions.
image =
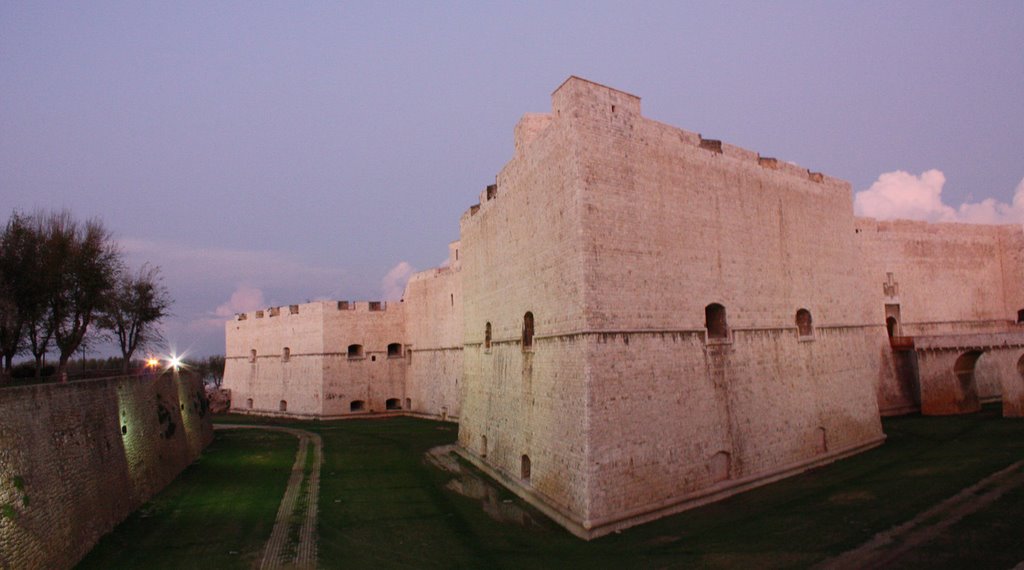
(85, 265)
(132, 313)
(23, 290)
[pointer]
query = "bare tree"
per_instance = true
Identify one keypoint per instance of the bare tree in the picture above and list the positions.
(85, 266)
(23, 290)
(137, 305)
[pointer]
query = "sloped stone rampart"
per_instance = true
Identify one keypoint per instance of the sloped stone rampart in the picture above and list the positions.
(76, 459)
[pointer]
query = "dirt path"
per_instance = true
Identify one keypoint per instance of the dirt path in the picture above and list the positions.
(292, 542)
(886, 547)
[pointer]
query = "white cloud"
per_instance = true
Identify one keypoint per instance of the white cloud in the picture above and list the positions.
(901, 195)
(393, 284)
(244, 299)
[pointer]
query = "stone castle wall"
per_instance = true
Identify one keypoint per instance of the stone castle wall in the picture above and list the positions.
(943, 279)
(643, 226)
(76, 459)
(260, 381)
(946, 277)
(523, 254)
(303, 366)
(374, 377)
(433, 304)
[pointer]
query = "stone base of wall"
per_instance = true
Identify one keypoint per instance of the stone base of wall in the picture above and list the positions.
(591, 529)
(358, 416)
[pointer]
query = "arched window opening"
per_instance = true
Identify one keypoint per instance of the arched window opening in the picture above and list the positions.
(1020, 367)
(395, 350)
(286, 354)
(891, 326)
(355, 351)
(487, 336)
(357, 406)
(714, 320)
(804, 322)
(1020, 316)
(283, 406)
(393, 404)
(483, 446)
(528, 331)
(252, 355)
(892, 319)
(524, 468)
(248, 403)
(719, 466)
(964, 367)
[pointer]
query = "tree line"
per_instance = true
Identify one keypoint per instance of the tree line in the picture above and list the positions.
(64, 283)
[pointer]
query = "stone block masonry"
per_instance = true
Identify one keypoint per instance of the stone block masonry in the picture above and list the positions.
(76, 459)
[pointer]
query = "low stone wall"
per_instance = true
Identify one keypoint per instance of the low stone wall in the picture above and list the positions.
(76, 459)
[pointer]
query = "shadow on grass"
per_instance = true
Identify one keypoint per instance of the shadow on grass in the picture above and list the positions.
(217, 514)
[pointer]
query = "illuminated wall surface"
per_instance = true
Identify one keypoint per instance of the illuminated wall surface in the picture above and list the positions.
(76, 459)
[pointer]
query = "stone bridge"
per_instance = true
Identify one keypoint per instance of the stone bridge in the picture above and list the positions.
(948, 364)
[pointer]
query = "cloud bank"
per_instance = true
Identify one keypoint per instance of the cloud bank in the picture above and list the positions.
(901, 195)
(393, 284)
(244, 299)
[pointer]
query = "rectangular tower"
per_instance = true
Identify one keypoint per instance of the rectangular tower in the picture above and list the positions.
(698, 320)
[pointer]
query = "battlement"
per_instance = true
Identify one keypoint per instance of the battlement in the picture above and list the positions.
(578, 99)
(319, 307)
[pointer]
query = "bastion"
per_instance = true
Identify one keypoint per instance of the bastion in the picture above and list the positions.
(638, 319)
(77, 458)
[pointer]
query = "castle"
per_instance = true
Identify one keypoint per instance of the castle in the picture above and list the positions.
(637, 320)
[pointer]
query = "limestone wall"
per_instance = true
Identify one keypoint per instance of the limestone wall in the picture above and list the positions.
(295, 360)
(373, 377)
(76, 459)
(946, 277)
(287, 365)
(673, 223)
(433, 330)
(940, 279)
(523, 253)
(674, 420)
(617, 232)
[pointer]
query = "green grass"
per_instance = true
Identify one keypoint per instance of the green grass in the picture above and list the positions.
(216, 514)
(383, 506)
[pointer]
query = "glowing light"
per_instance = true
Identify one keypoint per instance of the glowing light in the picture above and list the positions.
(152, 362)
(175, 362)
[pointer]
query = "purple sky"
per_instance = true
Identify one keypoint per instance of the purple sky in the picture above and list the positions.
(283, 152)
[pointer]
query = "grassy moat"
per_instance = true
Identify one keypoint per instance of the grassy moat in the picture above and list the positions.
(382, 504)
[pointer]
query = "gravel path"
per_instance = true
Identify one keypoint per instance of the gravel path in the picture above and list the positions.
(888, 546)
(281, 551)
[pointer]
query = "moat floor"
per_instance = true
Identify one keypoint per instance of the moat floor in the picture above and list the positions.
(384, 502)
